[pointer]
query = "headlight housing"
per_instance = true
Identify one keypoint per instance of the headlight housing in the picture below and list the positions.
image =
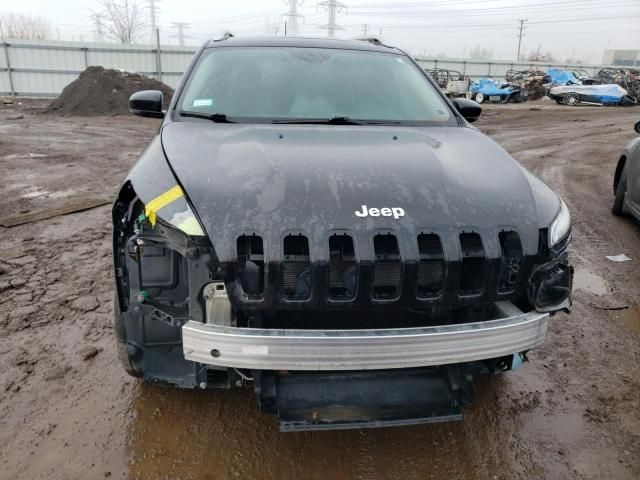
(561, 225)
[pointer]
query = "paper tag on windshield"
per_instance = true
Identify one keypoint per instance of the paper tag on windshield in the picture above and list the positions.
(203, 102)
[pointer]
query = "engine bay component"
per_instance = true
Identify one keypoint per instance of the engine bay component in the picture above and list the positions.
(218, 307)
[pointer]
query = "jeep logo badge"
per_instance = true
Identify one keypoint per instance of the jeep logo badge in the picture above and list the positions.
(395, 212)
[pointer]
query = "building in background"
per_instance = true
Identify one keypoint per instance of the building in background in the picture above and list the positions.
(626, 58)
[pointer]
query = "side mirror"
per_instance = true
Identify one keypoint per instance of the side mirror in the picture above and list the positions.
(147, 103)
(636, 127)
(469, 109)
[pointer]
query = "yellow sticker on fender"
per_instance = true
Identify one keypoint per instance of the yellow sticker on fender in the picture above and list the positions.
(162, 201)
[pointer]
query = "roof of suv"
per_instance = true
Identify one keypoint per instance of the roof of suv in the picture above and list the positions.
(302, 42)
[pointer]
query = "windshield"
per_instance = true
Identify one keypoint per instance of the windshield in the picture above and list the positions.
(292, 83)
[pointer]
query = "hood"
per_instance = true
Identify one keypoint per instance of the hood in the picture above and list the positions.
(271, 180)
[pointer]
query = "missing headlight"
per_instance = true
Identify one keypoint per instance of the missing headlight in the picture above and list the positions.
(550, 287)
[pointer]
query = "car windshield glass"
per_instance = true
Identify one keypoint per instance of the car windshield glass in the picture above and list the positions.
(281, 83)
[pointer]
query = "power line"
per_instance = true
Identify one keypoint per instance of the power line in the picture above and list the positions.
(180, 26)
(291, 25)
(332, 7)
(520, 34)
(463, 4)
(503, 10)
(503, 24)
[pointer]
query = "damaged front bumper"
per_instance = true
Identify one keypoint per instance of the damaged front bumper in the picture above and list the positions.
(335, 350)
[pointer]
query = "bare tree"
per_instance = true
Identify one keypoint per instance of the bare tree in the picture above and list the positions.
(123, 20)
(537, 56)
(480, 53)
(18, 25)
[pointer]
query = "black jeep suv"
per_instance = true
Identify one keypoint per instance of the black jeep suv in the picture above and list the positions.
(315, 218)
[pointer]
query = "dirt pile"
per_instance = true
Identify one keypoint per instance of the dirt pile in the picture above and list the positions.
(100, 91)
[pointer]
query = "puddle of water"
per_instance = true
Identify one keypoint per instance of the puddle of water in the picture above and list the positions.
(589, 282)
(14, 156)
(35, 194)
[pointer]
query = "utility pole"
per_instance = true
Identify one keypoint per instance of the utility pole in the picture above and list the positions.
(181, 36)
(158, 56)
(291, 24)
(153, 10)
(521, 34)
(332, 7)
(365, 27)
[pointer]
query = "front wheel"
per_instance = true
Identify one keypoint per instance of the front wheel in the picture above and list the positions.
(572, 99)
(479, 97)
(621, 191)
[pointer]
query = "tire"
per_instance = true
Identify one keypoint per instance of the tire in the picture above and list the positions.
(479, 98)
(621, 190)
(121, 340)
(628, 101)
(571, 99)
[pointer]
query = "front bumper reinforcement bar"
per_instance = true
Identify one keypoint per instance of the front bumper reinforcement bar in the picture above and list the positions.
(279, 349)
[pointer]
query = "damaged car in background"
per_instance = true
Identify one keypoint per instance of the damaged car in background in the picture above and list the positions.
(566, 88)
(534, 81)
(574, 94)
(626, 181)
(452, 82)
(316, 219)
(497, 91)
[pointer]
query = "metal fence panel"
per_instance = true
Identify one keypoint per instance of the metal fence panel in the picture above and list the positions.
(496, 68)
(136, 61)
(4, 83)
(39, 68)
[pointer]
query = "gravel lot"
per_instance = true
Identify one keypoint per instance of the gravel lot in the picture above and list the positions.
(68, 411)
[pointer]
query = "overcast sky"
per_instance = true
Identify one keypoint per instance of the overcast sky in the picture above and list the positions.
(567, 28)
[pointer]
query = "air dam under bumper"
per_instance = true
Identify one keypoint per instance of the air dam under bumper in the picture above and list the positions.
(272, 349)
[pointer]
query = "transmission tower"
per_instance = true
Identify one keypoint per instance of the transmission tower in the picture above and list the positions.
(153, 12)
(181, 36)
(98, 33)
(332, 7)
(292, 17)
(521, 34)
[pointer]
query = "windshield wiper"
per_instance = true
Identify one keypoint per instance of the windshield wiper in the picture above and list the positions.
(320, 121)
(335, 121)
(214, 117)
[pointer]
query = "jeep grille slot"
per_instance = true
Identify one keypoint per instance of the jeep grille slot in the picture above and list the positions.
(511, 248)
(473, 270)
(251, 264)
(342, 268)
(432, 266)
(387, 268)
(296, 268)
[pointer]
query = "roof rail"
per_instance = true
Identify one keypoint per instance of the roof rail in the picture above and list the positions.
(226, 36)
(374, 41)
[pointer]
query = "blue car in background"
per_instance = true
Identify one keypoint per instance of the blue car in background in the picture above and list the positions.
(488, 89)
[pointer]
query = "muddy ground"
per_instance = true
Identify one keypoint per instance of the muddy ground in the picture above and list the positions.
(68, 411)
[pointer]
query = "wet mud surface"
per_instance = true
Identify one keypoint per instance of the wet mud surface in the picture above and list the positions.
(68, 410)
